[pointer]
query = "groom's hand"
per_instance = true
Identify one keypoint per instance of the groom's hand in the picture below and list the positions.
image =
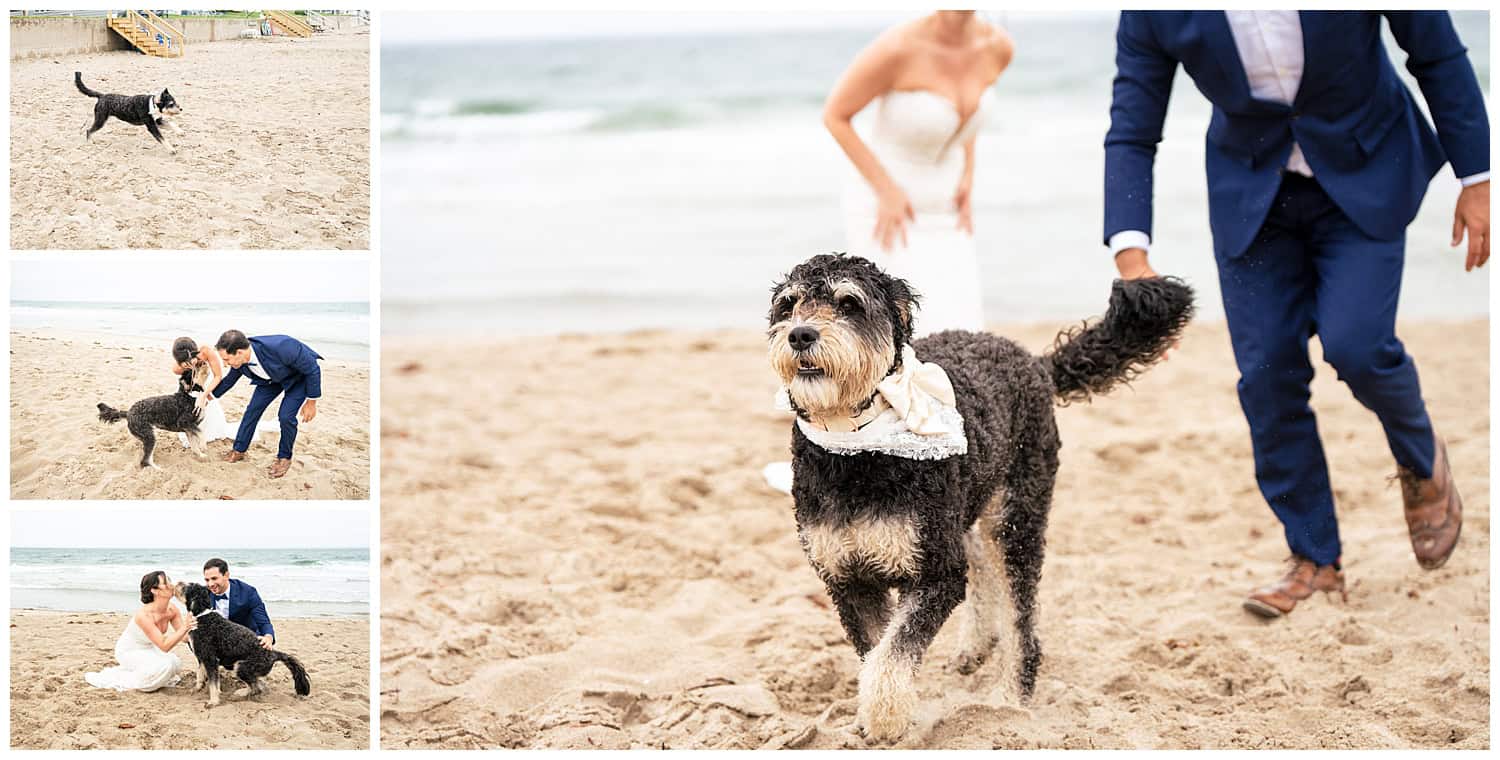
(1472, 215)
(1133, 265)
(309, 409)
(265, 642)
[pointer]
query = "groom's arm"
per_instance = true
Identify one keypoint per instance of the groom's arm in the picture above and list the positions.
(1438, 60)
(307, 365)
(260, 622)
(1142, 86)
(227, 383)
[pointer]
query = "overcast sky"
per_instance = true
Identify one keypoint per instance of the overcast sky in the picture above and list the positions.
(191, 527)
(169, 278)
(429, 27)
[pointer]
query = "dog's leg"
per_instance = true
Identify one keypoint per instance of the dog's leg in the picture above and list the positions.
(887, 681)
(213, 685)
(142, 430)
(864, 609)
(202, 676)
(981, 614)
(1020, 533)
(195, 440)
(156, 132)
(176, 130)
(98, 124)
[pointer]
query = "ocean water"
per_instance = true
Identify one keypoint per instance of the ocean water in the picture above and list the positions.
(292, 582)
(543, 185)
(335, 330)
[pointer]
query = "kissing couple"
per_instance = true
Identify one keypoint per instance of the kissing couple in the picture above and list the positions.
(276, 365)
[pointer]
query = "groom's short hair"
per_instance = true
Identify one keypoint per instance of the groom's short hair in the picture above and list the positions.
(232, 341)
(218, 563)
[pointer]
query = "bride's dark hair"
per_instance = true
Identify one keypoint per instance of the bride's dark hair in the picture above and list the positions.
(184, 349)
(149, 581)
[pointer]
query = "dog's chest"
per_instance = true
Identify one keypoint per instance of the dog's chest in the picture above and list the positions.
(882, 547)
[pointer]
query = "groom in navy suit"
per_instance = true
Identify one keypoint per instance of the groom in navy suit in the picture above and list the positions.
(1317, 160)
(238, 601)
(276, 365)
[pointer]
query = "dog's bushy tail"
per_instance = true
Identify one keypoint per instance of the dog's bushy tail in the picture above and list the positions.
(110, 414)
(1144, 318)
(78, 80)
(299, 675)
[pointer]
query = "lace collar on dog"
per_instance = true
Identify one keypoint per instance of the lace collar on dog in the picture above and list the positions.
(209, 611)
(913, 415)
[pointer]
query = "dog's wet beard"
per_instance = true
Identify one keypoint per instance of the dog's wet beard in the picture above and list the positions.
(854, 352)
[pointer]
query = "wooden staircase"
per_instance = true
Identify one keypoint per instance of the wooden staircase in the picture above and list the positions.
(289, 23)
(150, 34)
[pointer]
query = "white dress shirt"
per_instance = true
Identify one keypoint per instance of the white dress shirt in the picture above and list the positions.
(1270, 48)
(221, 606)
(253, 367)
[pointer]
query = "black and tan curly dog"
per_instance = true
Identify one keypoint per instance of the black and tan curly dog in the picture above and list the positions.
(221, 643)
(175, 412)
(929, 529)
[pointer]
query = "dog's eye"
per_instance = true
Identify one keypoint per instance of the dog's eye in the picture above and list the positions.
(849, 305)
(784, 306)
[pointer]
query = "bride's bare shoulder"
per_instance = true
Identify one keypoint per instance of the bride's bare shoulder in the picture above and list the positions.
(1000, 43)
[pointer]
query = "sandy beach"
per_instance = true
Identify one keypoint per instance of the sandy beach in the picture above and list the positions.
(275, 151)
(52, 707)
(61, 450)
(629, 581)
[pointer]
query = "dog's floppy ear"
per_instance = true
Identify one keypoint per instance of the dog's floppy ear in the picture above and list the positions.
(905, 301)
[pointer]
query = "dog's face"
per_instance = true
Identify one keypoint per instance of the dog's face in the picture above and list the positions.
(195, 597)
(168, 104)
(193, 379)
(837, 327)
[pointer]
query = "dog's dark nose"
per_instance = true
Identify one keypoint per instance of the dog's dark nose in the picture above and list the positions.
(802, 338)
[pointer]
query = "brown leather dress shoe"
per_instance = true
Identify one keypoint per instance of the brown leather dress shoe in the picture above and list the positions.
(1434, 511)
(1301, 580)
(280, 468)
(234, 456)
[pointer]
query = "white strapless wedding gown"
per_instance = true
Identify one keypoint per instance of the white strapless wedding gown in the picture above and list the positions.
(142, 666)
(214, 425)
(918, 137)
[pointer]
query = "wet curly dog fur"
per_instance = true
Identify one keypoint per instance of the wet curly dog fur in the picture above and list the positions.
(176, 412)
(938, 531)
(222, 643)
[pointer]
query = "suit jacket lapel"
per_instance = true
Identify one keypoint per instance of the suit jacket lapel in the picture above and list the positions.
(1216, 33)
(1312, 28)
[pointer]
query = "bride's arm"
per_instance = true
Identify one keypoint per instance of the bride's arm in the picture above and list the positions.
(872, 73)
(162, 641)
(214, 366)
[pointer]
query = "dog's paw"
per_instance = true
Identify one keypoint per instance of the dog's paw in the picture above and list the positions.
(887, 699)
(973, 656)
(212, 703)
(242, 693)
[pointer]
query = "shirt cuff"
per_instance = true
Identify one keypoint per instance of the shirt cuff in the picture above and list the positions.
(1474, 179)
(1129, 239)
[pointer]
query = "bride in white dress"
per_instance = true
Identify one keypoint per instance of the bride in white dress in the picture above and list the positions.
(908, 201)
(144, 649)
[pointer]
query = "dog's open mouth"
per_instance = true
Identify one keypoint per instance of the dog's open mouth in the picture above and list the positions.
(805, 368)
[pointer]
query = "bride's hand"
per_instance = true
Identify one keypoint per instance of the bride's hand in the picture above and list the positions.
(962, 204)
(895, 212)
(201, 404)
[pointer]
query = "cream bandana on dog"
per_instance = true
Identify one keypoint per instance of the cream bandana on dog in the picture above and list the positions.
(914, 415)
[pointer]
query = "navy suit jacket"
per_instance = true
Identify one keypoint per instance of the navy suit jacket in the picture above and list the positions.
(283, 359)
(1358, 126)
(246, 608)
